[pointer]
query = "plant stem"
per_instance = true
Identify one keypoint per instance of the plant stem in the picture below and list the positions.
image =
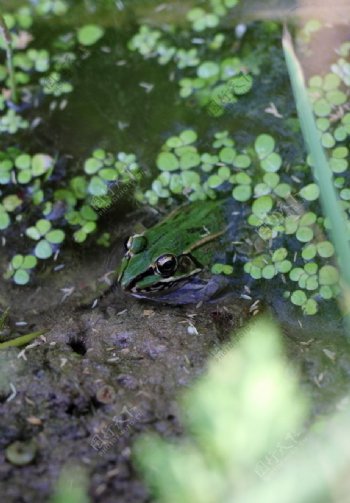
(9, 57)
(321, 170)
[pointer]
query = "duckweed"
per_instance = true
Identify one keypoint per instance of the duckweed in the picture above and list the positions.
(255, 170)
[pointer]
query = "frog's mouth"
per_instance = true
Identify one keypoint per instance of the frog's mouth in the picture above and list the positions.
(189, 290)
(169, 284)
(152, 281)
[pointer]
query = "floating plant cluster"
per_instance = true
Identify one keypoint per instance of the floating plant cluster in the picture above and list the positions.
(289, 233)
(212, 81)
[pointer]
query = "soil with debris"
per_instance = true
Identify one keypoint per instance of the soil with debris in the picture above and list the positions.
(100, 376)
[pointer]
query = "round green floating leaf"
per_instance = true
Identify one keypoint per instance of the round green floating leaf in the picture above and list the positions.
(279, 254)
(304, 234)
(345, 194)
(89, 227)
(268, 272)
(23, 161)
(79, 236)
(92, 165)
(227, 155)
(24, 176)
(322, 108)
(167, 161)
(325, 249)
(283, 190)
(310, 308)
(43, 226)
(327, 140)
(302, 280)
(108, 174)
(99, 153)
(311, 268)
(310, 192)
(176, 185)
(340, 152)
(309, 218)
(190, 179)
(188, 136)
(261, 189)
(296, 273)
(255, 272)
(208, 69)
(242, 161)
(271, 179)
(12, 202)
(89, 34)
(217, 268)
(88, 213)
(227, 269)
(298, 298)
(21, 277)
(309, 252)
(43, 250)
(311, 283)
(159, 189)
(4, 219)
(262, 206)
(224, 173)
(214, 181)
(338, 165)
(336, 97)
(331, 81)
(284, 267)
(315, 81)
(340, 133)
(264, 145)
(291, 224)
(55, 236)
(189, 160)
(97, 187)
(243, 179)
(29, 262)
(326, 292)
(242, 193)
(323, 124)
(174, 142)
(328, 275)
(17, 261)
(41, 163)
(272, 163)
(33, 233)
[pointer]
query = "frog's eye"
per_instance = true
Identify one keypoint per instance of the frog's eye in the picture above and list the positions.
(135, 244)
(166, 265)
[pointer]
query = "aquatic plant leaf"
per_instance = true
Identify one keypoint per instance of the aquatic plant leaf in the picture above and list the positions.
(90, 34)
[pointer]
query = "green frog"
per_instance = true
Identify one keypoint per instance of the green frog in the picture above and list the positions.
(171, 262)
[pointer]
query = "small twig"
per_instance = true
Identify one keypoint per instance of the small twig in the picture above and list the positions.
(9, 57)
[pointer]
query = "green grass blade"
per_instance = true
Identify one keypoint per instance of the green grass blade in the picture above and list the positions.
(321, 171)
(22, 340)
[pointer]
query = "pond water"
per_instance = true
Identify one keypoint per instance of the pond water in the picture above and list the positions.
(123, 102)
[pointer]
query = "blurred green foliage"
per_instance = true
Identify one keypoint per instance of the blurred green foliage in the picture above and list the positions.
(245, 438)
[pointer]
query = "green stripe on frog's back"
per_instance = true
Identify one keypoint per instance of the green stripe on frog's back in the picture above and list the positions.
(185, 227)
(192, 230)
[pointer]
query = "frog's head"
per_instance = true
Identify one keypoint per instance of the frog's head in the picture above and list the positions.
(145, 271)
